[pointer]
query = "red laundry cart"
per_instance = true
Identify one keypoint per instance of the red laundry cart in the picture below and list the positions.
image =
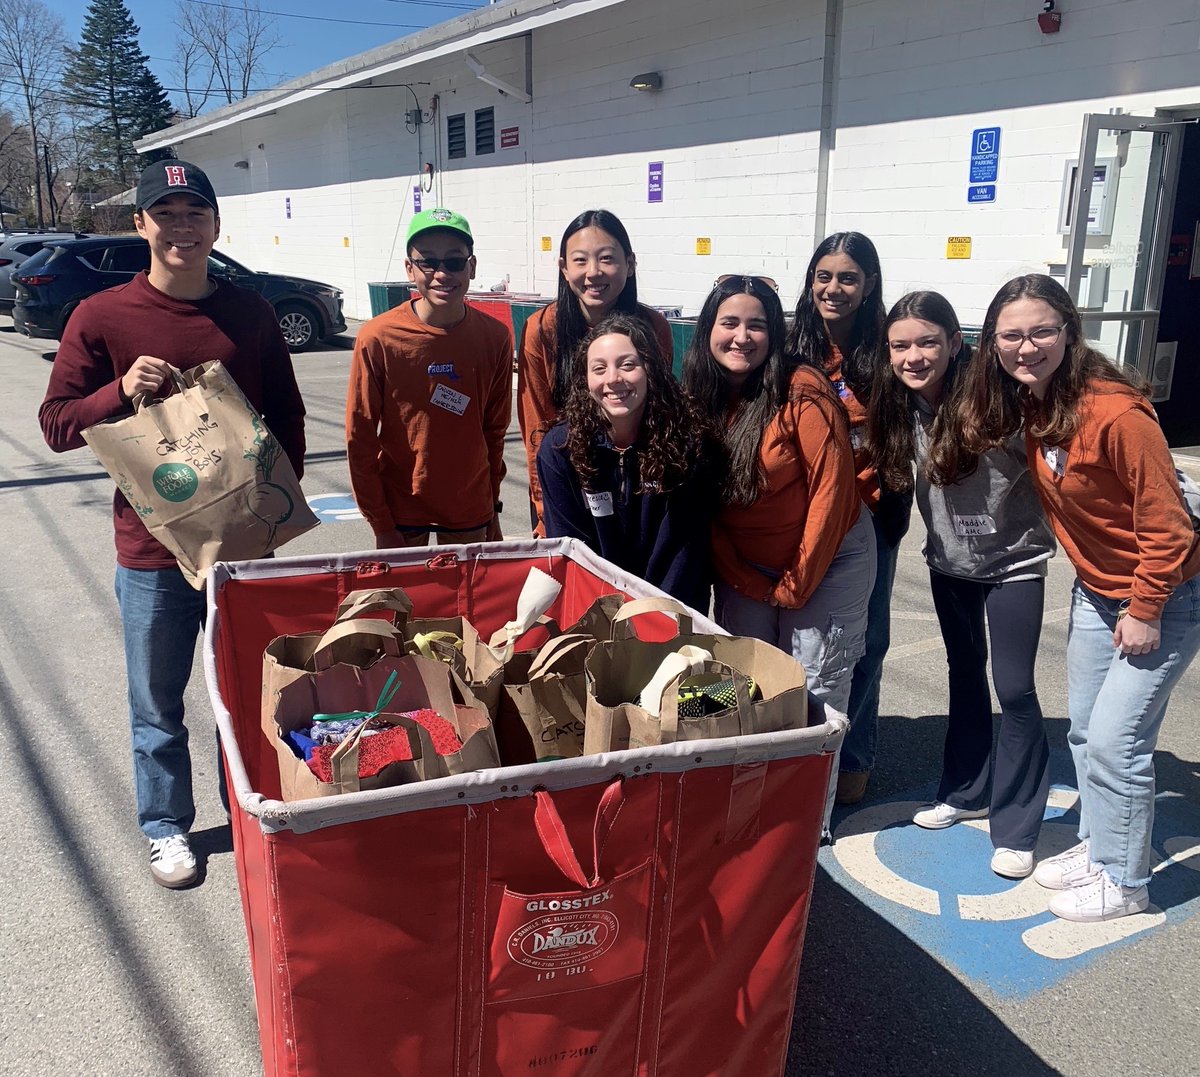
(640, 912)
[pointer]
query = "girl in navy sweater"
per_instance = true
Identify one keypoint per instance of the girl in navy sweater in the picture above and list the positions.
(631, 469)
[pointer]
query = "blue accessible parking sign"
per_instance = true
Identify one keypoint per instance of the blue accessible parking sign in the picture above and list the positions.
(985, 155)
(982, 192)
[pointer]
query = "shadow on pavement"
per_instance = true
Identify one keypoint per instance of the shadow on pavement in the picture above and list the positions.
(872, 1002)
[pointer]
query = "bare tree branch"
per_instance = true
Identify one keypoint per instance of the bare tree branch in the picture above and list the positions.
(223, 48)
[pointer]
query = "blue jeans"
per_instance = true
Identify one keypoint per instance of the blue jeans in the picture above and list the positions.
(161, 616)
(1117, 703)
(858, 749)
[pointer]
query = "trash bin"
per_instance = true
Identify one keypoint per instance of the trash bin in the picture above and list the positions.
(388, 294)
(682, 331)
(634, 912)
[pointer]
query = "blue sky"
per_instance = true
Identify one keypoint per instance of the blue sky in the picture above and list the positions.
(307, 43)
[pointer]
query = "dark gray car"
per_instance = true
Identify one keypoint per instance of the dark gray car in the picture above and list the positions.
(15, 247)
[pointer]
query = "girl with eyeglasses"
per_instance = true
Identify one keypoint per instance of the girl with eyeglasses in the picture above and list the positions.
(793, 549)
(839, 327)
(1106, 479)
(987, 549)
(631, 468)
(596, 277)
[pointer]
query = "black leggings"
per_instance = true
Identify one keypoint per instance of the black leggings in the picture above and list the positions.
(1017, 784)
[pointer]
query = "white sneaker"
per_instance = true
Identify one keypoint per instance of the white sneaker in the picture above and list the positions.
(1099, 899)
(172, 862)
(939, 816)
(1068, 869)
(1012, 863)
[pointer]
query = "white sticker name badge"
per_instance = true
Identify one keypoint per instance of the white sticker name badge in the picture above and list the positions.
(967, 526)
(600, 504)
(449, 399)
(1056, 459)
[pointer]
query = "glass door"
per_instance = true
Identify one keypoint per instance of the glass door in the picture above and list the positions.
(1117, 249)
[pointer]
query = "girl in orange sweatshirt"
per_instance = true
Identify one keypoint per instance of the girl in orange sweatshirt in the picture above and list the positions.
(1106, 479)
(839, 327)
(793, 548)
(597, 275)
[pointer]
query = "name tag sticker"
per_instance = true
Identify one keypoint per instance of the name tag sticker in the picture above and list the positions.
(445, 397)
(600, 504)
(1056, 459)
(966, 526)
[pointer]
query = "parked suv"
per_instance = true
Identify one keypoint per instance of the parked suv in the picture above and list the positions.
(15, 247)
(53, 282)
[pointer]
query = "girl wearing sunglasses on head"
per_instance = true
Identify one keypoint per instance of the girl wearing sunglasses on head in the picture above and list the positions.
(839, 327)
(630, 470)
(1106, 479)
(596, 277)
(793, 549)
(987, 548)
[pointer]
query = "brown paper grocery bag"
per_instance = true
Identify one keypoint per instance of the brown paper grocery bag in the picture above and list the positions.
(551, 699)
(423, 683)
(617, 672)
(203, 472)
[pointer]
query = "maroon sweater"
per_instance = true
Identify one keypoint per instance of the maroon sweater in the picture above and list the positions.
(108, 332)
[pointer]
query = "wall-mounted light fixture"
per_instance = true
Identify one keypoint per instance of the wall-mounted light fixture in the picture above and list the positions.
(651, 80)
(241, 164)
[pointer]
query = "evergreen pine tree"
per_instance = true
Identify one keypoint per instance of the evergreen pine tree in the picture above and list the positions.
(109, 76)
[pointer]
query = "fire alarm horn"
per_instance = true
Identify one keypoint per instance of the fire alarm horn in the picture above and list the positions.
(1049, 20)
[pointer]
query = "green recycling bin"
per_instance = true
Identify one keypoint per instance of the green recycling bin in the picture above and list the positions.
(388, 294)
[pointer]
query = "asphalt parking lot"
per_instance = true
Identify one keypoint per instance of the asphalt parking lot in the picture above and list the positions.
(918, 960)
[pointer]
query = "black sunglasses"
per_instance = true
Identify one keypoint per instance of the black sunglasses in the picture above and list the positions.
(747, 278)
(454, 264)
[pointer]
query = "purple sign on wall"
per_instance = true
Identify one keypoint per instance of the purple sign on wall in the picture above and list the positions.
(417, 199)
(656, 182)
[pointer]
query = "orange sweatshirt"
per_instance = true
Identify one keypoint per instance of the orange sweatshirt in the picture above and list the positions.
(426, 414)
(1112, 497)
(868, 480)
(536, 364)
(807, 507)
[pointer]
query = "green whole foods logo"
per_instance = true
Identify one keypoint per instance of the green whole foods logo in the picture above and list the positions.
(175, 482)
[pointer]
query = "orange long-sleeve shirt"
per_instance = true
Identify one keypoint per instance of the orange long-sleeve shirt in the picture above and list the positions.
(536, 363)
(426, 414)
(1112, 497)
(866, 476)
(808, 504)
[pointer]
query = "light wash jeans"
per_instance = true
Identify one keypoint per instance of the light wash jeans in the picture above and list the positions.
(161, 616)
(1117, 703)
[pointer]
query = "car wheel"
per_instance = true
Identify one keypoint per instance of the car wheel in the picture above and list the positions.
(298, 325)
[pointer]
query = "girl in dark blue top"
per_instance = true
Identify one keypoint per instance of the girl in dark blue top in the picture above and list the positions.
(631, 470)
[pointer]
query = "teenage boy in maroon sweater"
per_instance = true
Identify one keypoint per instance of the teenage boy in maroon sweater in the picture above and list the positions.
(117, 345)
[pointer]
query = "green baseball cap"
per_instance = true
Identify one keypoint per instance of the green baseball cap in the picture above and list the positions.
(430, 219)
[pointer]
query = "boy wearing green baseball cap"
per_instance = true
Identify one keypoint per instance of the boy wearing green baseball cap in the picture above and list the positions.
(429, 400)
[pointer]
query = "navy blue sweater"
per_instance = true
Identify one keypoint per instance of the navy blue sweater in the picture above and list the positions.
(662, 538)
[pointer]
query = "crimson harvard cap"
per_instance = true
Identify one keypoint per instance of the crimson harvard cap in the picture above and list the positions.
(173, 177)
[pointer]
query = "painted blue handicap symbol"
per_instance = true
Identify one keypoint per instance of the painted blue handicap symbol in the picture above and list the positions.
(334, 508)
(936, 886)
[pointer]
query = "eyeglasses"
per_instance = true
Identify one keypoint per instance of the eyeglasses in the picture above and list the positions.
(1045, 336)
(747, 278)
(453, 264)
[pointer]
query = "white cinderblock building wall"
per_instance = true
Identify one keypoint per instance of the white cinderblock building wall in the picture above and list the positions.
(738, 128)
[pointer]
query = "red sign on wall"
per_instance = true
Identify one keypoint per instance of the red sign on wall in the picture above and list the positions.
(509, 136)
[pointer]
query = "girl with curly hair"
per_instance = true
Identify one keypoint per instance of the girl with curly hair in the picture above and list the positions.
(1107, 481)
(839, 327)
(631, 469)
(987, 549)
(793, 548)
(597, 276)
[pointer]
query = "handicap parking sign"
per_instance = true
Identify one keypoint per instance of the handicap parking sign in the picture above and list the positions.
(937, 887)
(985, 155)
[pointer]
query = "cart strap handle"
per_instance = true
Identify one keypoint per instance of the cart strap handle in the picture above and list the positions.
(557, 842)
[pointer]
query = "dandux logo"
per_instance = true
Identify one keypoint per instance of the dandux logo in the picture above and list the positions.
(562, 939)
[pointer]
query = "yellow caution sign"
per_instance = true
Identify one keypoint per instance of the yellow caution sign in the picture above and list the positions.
(546, 243)
(958, 246)
(703, 245)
